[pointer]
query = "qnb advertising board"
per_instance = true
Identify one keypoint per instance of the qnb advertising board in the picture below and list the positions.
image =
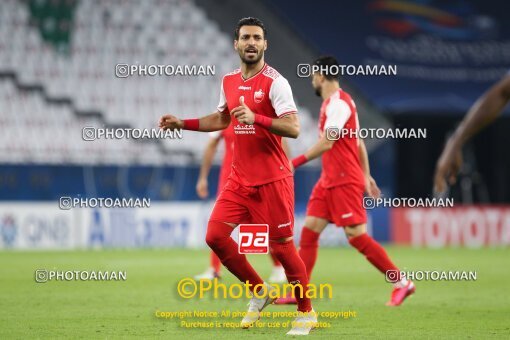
(42, 225)
(469, 226)
(45, 226)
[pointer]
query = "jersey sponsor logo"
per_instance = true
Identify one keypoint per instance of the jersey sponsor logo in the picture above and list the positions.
(244, 129)
(258, 96)
(347, 215)
(244, 88)
(284, 225)
(253, 239)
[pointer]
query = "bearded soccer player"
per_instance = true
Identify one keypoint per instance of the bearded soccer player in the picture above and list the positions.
(202, 188)
(260, 188)
(338, 195)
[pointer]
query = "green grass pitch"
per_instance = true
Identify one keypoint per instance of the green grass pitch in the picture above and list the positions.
(125, 309)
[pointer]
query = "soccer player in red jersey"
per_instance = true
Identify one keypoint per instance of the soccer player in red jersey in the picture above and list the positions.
(338, 195)
(260, 188)
(202, 188)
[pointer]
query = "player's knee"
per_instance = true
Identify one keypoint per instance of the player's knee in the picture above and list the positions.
(210, 239)
(351, 234)
(315, 224)
(216, 234)
(275, 250)
(278, 248)
(355, 231)
(313, 227)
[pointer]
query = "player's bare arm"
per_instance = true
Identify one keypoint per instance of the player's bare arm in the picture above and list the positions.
(322, 145)
(202, 186)
(287, 126)
(371, 187)
(485, 110)
(213, 122)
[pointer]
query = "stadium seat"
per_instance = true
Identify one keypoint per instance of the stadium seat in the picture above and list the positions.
(101, 38)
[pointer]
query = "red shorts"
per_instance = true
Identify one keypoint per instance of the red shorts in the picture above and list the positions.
(341, 205)
(271, 203)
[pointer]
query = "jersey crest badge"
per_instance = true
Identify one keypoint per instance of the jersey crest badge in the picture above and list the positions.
(258, 96)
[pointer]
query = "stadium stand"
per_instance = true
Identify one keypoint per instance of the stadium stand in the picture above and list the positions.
(76, 85)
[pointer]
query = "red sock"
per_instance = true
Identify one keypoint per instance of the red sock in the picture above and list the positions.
(218, 238)
(294, 269)
(276, 263)
(215, 262)
(374, 253)
(309, 249)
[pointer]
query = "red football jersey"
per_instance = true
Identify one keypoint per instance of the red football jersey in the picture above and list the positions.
(340, 165)
(258, 154)
(226, 165)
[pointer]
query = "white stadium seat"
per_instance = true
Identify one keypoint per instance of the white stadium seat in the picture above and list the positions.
(135, 32)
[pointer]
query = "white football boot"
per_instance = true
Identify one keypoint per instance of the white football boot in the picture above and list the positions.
(303, 324)
(256, 305)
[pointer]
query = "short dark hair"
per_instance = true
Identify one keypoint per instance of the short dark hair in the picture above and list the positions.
(326, 61)
(250, 21)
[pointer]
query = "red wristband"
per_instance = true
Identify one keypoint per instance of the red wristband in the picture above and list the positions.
(299, 160)
(191, 124)
(263, 121)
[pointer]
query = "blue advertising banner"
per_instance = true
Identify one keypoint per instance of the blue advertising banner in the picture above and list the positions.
(43, 225)
(159, 183)
(446, 53)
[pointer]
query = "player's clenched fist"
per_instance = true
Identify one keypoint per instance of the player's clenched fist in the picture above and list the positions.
(243, 113)
(448, 166)
(170, 122)
(202, 188)
(371, 187)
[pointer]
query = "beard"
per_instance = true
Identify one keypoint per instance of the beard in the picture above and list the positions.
(251, 61)
(318, 91)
